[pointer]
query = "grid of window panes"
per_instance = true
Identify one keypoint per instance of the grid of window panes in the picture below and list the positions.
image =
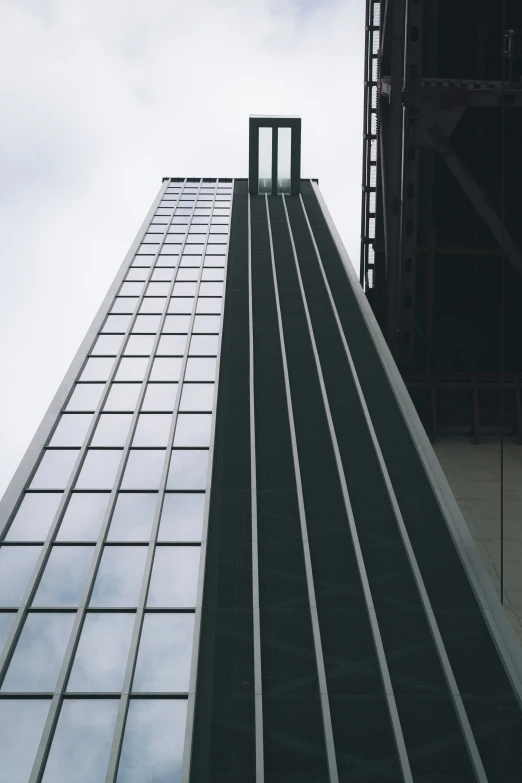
(99, 566)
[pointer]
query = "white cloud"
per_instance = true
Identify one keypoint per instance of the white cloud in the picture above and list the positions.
(98, 101)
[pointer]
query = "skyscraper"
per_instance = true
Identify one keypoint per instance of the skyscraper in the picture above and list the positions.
(230, 553)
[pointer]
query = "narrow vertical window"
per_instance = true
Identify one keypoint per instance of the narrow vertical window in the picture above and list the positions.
(284, 146)
(265, 160)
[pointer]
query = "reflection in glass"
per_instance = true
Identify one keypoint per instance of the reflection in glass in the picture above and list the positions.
(152, 748)
(164, 656)
(172, 345)
(119, 577)
(176, 324)
(144, 468)
(109, 344)
(160, 397)
(55, 469)
(38, 656)
(82, 741)
(124, 305)
(132, 369)
(97, 369)
(139, 345)
(209, 305)
(188, 470)
(71, 430)
(166, 370)
(85, 397)
(181, 305)
(284, 146)
(6, 622)
(265, 160)
(118, 323)
(213, 274)
(83, 517)
(174, 579)
(63, 580)
(122, 397)
(203, 345)
(99, 469)
(112, 429)
(148, 324)
(206, 324)
(16, 566)
(21, 726)
(34, 517)
(133, 516)
(200, 370)
(153, 304)
(101, 658)
(197, 397)
(193, 429)
(152, 429)
(182, 516)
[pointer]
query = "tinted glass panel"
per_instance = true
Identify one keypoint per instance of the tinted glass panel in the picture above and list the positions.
(164, 655)
(174, 577)
(112, 429)
(108, 344)
(124, 304)
(133, 517)
(97, 369)
(208, 305)
(211, 289)
(83, 517)
(193, 430)
(152, 429)
(176, 324)
(188, 470)
(101, 658)
(147, 323)
(131, 369)
(54, 470)
(204, 345)
(63, 580)
(200, 370)
(181, 305)
(85, 397)
(143, 469)
(6, 622)
(166, 370)
(38, 656)
(160, 397)
(71, 430)
(182, 517)
(153, 304)
(99, 469)
(139, 345)
(21, 726)
(119, 577)
(197, 397)
(118, 323)
(16, 566)
(172, 345)
(34, 517)
(122, 397)
(206, 324)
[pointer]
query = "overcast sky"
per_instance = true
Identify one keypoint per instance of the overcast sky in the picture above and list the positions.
(101, 99)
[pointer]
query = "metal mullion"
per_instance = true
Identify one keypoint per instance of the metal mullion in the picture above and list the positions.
(258, 682)
(189, 729)
(321, 673)
(112, 769)
(372, 616)
(52, 718)
(458, 703)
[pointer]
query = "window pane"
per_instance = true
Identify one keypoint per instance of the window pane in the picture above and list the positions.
(83, 517)
(82, 741)
(184, 289)
(99, 469)
(152, 429)
(16, 566)
(164, 274)
(197, 397)
(176, 324)
(119, 577)
(188, 470)
(137, 274)
(164, 656)
(143, 469)
(34, 517)
(181, 305)
(117, 323)
(160, 397)
(204, 345)
(213, 274)
(131, 369)
(64, 578)
(211, 289)
(21, 726)
(101, 658)
(153, 304)
(97, 370)
(174, 579)
(188, 274)
(193, 430)
(107, 344)
(55, 469)
(200, 370)
(158, 289)
(206, 324)
(85, 397)
(209, 305)
(139, 345)
(147, 323)
(153, 743)
(124, 304)
(112, 429)
(122, 397)
(166, 370)
(133, 517)
(182, 517)
(71, 430)
(284, 146)
(172, 345)
(6, 623)
(38, 656)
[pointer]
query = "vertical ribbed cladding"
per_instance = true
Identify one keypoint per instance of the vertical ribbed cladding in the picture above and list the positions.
(493, 710)
(224, 721)
(363, 735)
(431, 729)
(292, 719)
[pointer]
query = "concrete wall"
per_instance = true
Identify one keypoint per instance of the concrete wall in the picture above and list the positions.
(473, 473)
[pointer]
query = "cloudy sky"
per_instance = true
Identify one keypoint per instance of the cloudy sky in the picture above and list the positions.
(101, 99)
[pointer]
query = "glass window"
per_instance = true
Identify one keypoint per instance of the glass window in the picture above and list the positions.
(117, 323)
(211, 289)
(197, 397)
(124, 304)
(131, 369)
(107, 345)
(139, 345)
(177, 324)
(180, 220)
(153, 304)
(137, 274)
(181, 305)
(158, 289)
(182, 516)
(194, 249)
(165, 274)
(144, 468)
(34, 517)
(191, 261)
(184, 289)
(172, 345)
(174, 579)
(214, 262)
(99, 469)
(147, 323)
(112, 429)
(21, 726)
(209, 305)
(63, 580)
(160, 397)
(83, 516)
(217, 220)
(168, 259)
(193, 430)
(141, 261)
(204, 345)
(153, 743)
(122, 397)
(200, 370)
(188, 470)
(71, 430)
(38, 656)
(85, 397)
(164, 656)
(213, 274)
(206, 324)
(97, 370)
(284, 145)
(133, 516)
(103, 649)
(151, 238)
(82, 741)
(131, 289)
(166, 370)
(217, 229)
(118, 582)
(6, 623)
(188, 274)
(55, 469)
(153, 429)
(17, 563)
